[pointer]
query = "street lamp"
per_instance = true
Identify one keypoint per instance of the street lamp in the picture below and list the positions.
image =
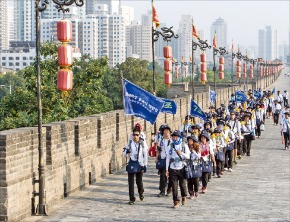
(202, 45)
(253, 62)
(221, 51)
(10, 88)
(60, 6)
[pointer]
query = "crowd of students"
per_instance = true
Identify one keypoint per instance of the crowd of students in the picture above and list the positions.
(187, 158)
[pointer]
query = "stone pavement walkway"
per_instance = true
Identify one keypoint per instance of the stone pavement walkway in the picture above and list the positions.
(258, 189)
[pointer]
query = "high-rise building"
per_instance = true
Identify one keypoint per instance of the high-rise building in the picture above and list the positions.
(268, 48)
(113, 6)
(4, 26)
(23, 19)
(219, 27)
(185, 37)
(128, 14)
(146, 19)
(141, 41)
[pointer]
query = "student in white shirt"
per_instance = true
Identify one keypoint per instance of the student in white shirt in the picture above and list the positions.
(285, 129)
(276, 111)
(137, 150)
(248, 129)
(285, 97)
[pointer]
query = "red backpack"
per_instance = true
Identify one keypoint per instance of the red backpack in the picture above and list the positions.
(152, 151)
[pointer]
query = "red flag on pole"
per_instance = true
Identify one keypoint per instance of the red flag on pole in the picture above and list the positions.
(214, 41)
(194, 32)
(155, 18)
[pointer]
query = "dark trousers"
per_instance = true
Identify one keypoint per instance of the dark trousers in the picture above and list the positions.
(175, 177)
(240, 147)
(247, 142)
(285, 101)
(204, 179)
(138, 182)
(163, 180)
(286, 139)
(264, 117)
(276, 118)
(258, 130)
(229, 158)
(192, 185)
(218, 166)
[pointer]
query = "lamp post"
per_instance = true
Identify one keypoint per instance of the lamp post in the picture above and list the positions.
(221, 51)
(239, 57)
(60, 6)
(10, 88)
(253, 62)
(202, 45)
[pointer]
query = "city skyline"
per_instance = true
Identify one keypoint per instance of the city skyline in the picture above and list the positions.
(239, 15)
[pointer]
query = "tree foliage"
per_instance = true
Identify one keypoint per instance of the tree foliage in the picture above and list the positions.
(97, 88)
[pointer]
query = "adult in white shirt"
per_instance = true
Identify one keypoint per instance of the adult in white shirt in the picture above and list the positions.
(276, 108)
(162, 151)
(175, 162)
(285, 129)
(285, 97)
(279, 96)
(137, 151)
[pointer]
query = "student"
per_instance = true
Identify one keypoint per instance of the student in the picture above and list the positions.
(175, 158)
(231, 139)
(235, 126)
(259, 113)
(162, 151)
(285, 97)
(276, 111)
(220, 151)
(137, 151)
(184, 130)
(142, 134)
(206, 156)
(193, 183)
(248, 129)
(285, 129)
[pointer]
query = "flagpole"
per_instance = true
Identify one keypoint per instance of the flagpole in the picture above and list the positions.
(192, 66)
(214, 69)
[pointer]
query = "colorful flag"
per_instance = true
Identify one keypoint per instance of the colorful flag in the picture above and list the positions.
(212, 95)
(196, 111)
(274, 90)
(241, 97)
(214, 41)
(140, 103)
(155, 18)
(194, 32)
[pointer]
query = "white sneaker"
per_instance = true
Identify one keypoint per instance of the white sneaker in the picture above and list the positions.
(230, 170)
(226, 169)
(286, 147)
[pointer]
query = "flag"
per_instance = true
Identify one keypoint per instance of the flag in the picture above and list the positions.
(140, 103)
(155, 18)
(233, 47)
(257, 94)
(240, 97)
(194, 32)
(274, 90)
(196, 111)
(214, 41)
(212, 95)
(169, 106)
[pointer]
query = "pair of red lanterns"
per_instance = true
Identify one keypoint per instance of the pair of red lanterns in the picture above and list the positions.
(167, 53)
(65, 55)
(221, 68)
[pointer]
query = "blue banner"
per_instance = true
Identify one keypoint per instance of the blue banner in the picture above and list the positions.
(240, 97)
(257, 94)
(196, 111)
(140, 103)
(212, 96)
(169, 106)
(274, 90)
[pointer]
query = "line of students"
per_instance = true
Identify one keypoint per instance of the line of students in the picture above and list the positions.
(191, 155)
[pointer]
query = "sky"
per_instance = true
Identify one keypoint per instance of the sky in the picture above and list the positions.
(243, 18)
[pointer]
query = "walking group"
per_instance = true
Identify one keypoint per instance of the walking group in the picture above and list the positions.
(189, 157)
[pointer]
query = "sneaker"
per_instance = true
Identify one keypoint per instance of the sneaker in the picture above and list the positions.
(219, 176)
(162, 194)
(141, 196)
(235, 162)
(222, 173)
(203, 190)
(196, 194)
(248, 154)
(175, 204)
(230, 170)
(168, 193)
(131, 202)
(191, 196)
(183, 200)
(214, 174)
(226, 169)
(239, 156)
(286, 147)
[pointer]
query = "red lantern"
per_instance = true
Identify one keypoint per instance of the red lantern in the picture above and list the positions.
(64, 79)
(203, 77)
(245, 70)
(222, 60)
(244, 65)
(202, 57)
(239, 63)
(203, 67)
(221, 68)
(167, 78)
(64, 30)
(251, 66)
(239, 68)
(167, 51)
(65, 55)
(245, 75)
(167, 65)
(221, 75)
(238, 75)
(261, 73)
